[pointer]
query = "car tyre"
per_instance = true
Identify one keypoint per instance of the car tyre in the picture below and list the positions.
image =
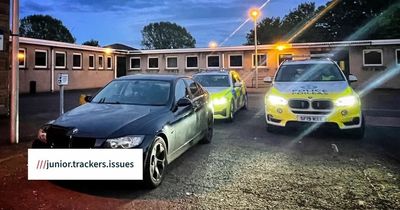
(358, 133)
(156, 163)
(209, 133)
(246, 102)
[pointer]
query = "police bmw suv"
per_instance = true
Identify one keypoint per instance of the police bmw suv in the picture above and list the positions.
(313, 91)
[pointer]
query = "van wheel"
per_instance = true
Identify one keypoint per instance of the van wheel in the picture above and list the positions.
(156, 163)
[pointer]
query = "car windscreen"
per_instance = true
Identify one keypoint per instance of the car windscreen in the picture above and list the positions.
(309, 73)
(212, 80)
(137, 92)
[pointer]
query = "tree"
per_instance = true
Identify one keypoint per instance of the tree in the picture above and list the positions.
(45, 27)
(272, 30)
(166, 35)
(92, 42)
(363, 19)
(348, 20)
(269, 30)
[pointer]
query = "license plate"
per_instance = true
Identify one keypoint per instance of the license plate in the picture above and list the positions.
(310, 118)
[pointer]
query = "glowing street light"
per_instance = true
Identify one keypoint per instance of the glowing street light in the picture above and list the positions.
(213, 44)
(254, 14)
(283, 46)
(108, 51)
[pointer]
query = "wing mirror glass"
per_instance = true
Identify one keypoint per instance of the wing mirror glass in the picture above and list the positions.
(352, 78)
(184, 102)
(268, 79)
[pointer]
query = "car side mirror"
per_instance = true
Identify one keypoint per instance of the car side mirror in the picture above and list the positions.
(88, 98)
(237, 84)
(184, 102)
(267, 79)
(352, 78)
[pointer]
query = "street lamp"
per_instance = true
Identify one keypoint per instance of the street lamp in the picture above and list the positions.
(254, 14)
(213, 45)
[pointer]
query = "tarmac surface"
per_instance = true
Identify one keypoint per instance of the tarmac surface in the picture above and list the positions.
(244, 167)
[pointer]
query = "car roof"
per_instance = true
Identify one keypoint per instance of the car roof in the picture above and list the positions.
(163, 77)
(308, 61)
(214, 72)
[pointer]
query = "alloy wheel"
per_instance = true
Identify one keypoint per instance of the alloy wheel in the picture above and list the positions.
(157, 161)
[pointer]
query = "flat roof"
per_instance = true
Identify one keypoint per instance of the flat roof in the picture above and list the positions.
(165, 77)
(308, 61)
(24, 40)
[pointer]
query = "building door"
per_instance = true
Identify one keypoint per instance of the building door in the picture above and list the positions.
(342, 59)
(121, 66)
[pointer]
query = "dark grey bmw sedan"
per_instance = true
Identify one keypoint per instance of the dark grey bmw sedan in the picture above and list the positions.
(162, 114)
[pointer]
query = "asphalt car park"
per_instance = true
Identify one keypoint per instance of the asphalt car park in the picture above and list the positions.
(243, 167)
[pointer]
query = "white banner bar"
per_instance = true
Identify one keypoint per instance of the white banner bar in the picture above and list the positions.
(85, 164)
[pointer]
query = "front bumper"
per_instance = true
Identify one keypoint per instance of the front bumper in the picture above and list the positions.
(221, 111)
(343, 117)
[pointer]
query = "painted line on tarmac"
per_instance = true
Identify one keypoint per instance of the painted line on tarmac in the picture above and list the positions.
(383, 121)
(11, 157)
(381, 110)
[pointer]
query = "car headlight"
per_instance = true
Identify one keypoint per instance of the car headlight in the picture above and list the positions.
(346, 101)
(220, 101)
(124, 142)
(277, 100)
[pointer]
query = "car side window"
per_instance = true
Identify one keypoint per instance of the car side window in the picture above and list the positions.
(180, 90)
(194, 89)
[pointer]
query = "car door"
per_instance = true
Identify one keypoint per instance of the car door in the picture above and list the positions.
(242, 89)
(184, 117)
(199, 104)
(236, 91)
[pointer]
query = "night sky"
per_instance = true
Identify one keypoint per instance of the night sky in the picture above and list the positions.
(111, 21)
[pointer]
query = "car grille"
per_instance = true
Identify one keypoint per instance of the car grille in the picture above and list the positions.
(299, 104)
(59, 138)
(322, 105)
(311, 112)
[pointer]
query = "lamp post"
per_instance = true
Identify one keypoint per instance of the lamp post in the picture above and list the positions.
(14, 100)
(254, 15)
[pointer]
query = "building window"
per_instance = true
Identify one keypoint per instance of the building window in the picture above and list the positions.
(285, 57)
(135, 63)
(262, 60)
(235, 61)
(22, 58)
(172, 62)
(77, 61)
(41, 59)
(398, 56)
(109, 62)
(100, 61)
(60, 63)
(373, 57)
(212, 61)
(152, 63)
(192, 62)
(91, 61)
